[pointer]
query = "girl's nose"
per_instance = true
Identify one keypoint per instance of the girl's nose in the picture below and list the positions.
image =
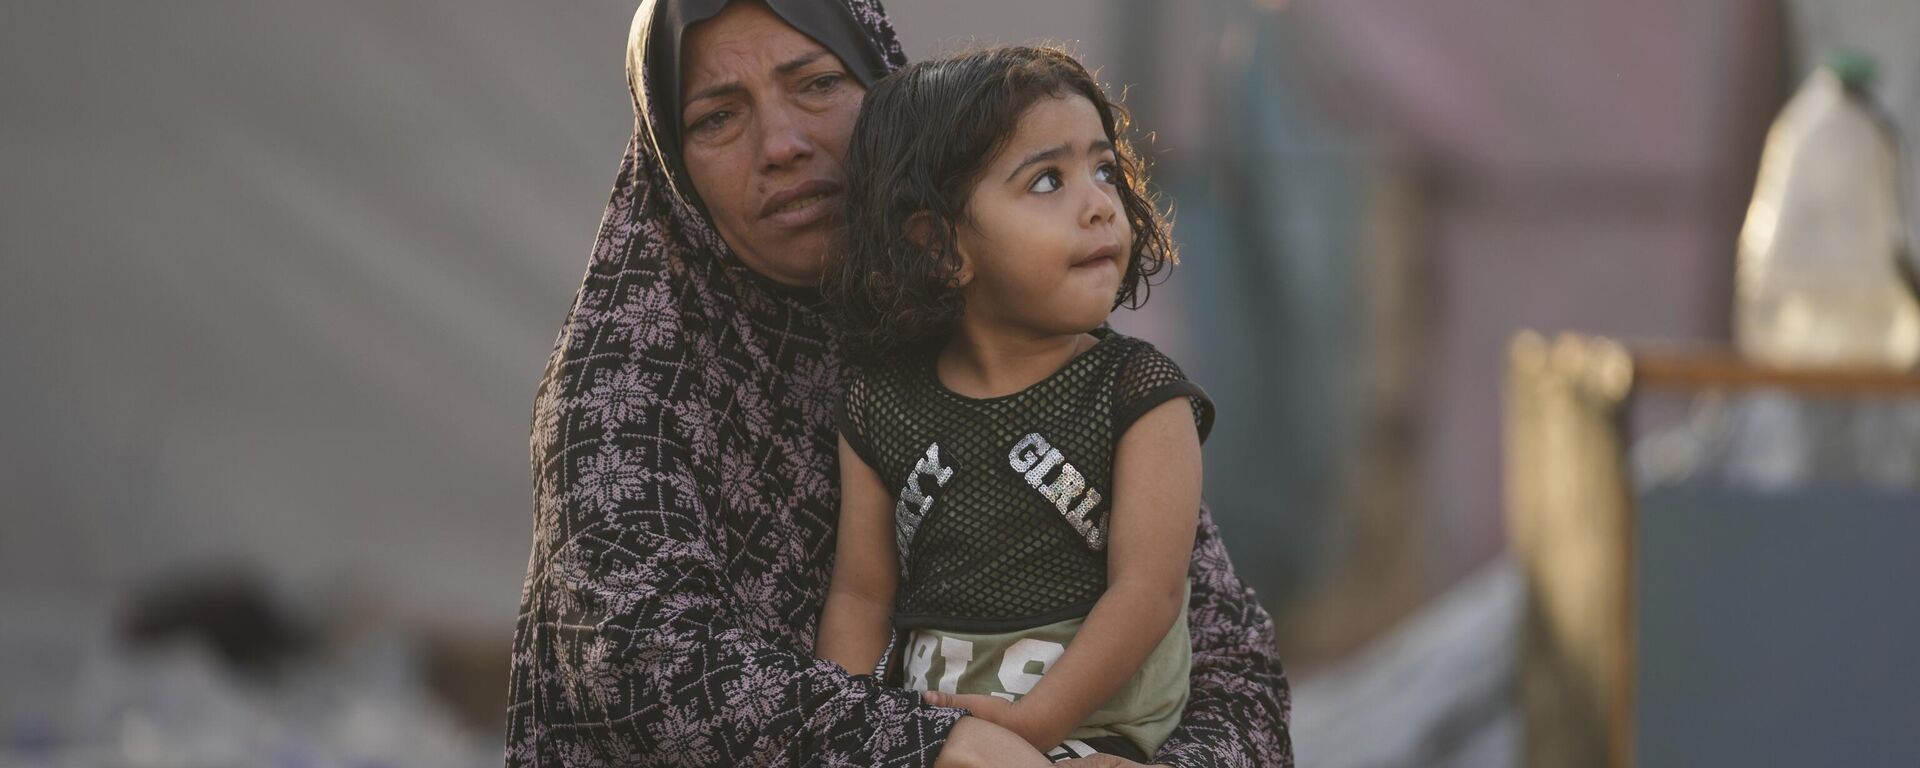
(1102, 205)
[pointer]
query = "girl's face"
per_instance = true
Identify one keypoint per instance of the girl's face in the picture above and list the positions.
(1045, 242)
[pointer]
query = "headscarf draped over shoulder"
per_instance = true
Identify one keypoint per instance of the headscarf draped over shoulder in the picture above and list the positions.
(683, 465)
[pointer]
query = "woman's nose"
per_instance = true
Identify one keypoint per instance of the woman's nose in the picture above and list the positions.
(783, 139)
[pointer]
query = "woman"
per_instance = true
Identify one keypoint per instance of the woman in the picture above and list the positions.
(684, 448)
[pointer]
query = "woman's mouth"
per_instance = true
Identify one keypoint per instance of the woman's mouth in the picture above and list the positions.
(802, 205)
(799, 204)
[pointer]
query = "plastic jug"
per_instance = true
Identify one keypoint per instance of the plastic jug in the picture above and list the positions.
(1822, 273)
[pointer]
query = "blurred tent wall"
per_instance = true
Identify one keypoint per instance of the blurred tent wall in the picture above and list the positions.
(280, 279)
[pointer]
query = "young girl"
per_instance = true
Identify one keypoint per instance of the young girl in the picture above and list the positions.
(1020, 484)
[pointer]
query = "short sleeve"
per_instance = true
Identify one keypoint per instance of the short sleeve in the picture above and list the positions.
(1148, 378)
(855, 419)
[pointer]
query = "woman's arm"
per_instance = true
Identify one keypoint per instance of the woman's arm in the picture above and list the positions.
(1237, 711)
(1156, 488)
(630, 649)
(853, 628)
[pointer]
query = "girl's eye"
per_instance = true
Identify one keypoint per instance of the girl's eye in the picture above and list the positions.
(1107, 174)
(1045, 182)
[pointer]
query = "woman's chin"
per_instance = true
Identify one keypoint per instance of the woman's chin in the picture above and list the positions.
(798, 261)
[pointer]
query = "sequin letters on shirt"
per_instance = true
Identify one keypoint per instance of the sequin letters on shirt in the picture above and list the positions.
(1034, 458)
(914, 501)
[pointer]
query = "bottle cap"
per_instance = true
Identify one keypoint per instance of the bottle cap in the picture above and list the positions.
(1855, 69)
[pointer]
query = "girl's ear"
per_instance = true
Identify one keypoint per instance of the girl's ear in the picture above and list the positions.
(920, 230)
(964, 274)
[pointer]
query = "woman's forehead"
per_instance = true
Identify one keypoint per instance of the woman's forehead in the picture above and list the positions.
(744, 41)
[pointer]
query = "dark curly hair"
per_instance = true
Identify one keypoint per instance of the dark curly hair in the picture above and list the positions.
(924, 136)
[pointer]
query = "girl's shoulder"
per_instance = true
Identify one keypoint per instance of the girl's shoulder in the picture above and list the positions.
(1136, 361)
(1144, 377)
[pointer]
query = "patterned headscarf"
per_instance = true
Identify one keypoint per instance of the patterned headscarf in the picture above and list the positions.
(684, 466)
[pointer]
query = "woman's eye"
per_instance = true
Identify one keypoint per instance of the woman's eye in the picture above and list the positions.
(1045, 182)
(1107, 173)
(826, 82)
(711, 122)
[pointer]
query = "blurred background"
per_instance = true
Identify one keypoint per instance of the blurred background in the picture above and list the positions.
(277, 281)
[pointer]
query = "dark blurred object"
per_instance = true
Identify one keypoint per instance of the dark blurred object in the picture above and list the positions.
(469, 669)
(1594, 551)
(1306, 306)
(1787, 614)
(229, 609)
(221, 667)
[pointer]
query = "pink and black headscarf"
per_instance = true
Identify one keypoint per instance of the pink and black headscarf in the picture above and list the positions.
(684, 465)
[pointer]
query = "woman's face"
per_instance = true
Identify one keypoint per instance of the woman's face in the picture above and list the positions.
(766, 114)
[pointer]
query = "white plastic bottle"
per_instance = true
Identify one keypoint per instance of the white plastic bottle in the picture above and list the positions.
(1820, 275)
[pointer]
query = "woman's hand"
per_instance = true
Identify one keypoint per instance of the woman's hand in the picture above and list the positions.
(1000, 712)
(976, 743)
(1100, 761)
(992, 709)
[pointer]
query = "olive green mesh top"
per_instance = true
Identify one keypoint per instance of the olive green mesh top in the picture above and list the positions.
(1002, 503)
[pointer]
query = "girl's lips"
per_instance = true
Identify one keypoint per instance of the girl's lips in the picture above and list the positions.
(1106, 255)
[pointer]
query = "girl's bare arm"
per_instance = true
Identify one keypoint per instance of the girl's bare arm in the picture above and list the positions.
(854, 626)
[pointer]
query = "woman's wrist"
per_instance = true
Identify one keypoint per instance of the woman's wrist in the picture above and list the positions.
(976, 743)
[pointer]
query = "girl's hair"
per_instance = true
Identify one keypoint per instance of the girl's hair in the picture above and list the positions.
(924, 136)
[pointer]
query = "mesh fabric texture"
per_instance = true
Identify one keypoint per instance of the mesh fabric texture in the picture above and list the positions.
(994, 533)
